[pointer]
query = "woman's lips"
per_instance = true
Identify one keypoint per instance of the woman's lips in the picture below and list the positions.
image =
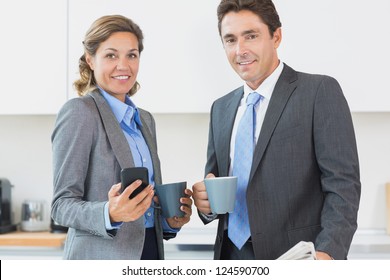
(121, 77)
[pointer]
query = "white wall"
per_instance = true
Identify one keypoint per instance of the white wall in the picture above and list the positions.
(25, 157)
(373, 140)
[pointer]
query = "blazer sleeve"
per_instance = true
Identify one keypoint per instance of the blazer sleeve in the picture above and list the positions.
(72, 141)
(337, 157)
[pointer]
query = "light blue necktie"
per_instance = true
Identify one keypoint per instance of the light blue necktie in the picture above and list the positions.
(238, 228)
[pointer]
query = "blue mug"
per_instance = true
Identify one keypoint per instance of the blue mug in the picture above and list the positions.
(169, 198)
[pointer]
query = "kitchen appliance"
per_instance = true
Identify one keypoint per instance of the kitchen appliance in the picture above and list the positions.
(34, 216)
(5, 207)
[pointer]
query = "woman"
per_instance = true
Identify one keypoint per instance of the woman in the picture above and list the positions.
(96, 136)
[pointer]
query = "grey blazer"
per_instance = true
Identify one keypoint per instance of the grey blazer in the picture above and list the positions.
(89, 151)
(304, 182)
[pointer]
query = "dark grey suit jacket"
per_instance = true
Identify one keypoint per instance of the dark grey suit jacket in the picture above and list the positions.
(304, 182)
(89, 151)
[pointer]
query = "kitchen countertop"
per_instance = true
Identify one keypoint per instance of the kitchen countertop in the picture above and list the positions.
(37, 239)
(190, 244)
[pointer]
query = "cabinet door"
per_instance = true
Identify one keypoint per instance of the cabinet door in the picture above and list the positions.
(183, 68)
(348, 40)
(33, 56)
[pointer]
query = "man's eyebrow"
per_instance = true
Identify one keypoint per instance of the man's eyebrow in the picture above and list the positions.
(228, 35)
(246, 32)
(250, 31)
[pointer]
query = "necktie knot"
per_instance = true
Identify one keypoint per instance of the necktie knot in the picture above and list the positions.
(253, 98)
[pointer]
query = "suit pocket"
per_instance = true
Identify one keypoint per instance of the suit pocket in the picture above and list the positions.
(308, 233)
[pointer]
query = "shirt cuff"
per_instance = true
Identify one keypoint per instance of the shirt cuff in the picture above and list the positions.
(167, 228)
(209, 217)
(108, 224)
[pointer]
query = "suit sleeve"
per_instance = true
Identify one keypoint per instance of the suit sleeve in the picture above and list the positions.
(72, 141)
(211, 165)
(337, 157)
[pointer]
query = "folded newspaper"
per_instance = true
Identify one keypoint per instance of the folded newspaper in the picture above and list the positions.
(301, 251)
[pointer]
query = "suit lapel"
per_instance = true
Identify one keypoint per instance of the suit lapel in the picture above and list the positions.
(148, 137)
(114, 132)
(227, 117)
(150, 142)
(282, 92)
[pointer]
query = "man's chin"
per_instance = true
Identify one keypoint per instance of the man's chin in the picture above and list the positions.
(245, 76)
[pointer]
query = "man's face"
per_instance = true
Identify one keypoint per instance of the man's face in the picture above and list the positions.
(249, 47)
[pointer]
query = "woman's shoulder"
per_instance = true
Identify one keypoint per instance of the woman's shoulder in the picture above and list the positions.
(79, 105)
(145, 114)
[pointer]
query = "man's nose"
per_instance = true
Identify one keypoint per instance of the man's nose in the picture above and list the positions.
(241, 47)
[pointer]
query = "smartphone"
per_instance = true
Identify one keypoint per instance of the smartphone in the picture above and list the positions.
(131, 174)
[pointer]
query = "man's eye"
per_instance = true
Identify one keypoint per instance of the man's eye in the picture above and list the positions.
(229, 41)
(252, 36)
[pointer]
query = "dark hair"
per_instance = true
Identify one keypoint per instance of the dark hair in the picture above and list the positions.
(265, 9)
(99, 32)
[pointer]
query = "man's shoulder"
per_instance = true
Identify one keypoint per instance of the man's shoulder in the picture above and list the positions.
(227, 97)
(307, 77)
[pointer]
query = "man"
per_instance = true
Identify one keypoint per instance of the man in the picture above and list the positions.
(303, 181)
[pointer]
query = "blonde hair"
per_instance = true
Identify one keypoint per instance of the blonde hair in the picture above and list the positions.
(99, 32)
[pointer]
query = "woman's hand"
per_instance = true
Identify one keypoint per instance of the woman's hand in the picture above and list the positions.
(123, 209)
(177, 222)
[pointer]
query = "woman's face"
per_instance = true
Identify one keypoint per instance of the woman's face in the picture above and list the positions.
(116, 64)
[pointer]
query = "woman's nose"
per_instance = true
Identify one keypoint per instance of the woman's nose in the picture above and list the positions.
(122, 64)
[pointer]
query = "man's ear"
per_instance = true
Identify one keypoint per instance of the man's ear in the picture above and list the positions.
(89, 60)
(277, 37)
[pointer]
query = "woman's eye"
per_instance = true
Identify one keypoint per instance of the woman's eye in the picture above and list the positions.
(133, 55)
(111, 55)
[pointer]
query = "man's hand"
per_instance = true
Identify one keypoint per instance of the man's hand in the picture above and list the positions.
(201, 199)
(322, 256)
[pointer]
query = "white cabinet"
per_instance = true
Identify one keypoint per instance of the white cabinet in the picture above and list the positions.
(33, 56)
(184, 69)
(348, 40)
(183, 66)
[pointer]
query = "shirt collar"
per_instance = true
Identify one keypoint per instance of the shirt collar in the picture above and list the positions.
(122, 110)
(267, 86)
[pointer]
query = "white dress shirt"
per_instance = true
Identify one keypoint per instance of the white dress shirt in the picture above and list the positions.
(265, 89)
